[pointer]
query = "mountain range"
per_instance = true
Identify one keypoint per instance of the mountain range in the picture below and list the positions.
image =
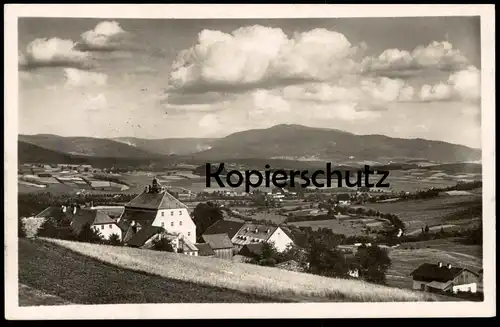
(283, 142)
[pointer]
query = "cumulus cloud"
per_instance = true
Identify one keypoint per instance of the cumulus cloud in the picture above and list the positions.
(257, 55)
(373, 91)
(94, 103)
(106, 36)
(395, 62)
(76, 77)
(464, 85)
(53, 52)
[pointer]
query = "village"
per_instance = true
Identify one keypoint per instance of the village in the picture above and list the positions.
(162, 219)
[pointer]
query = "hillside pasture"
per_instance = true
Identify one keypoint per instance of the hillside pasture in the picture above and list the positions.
(409, 257)
(347, 228)
(432, 212)
(240, 277)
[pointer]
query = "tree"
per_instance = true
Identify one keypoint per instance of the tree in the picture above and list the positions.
(114, 239)
(268, 256)
(372, 263)
(89, 235)
(163, 244)
(325, 260)
(205, 215)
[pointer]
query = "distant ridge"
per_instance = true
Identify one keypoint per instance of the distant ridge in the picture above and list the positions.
(283, 142)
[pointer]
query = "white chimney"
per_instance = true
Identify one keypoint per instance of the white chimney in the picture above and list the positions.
(63, 208)
(440, 264)
(74, 210)
(449, 266)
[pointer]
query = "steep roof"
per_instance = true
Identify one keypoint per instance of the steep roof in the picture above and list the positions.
(56, 213)
(224, 227)
(111, 211)
(204, 249)
(218, 241)
(187, 245)
(144, 234)
(250, 232)
(144, 217)
(89, 216)
(429, 272)
(155, 201)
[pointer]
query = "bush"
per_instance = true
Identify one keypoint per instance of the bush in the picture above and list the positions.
(372, 263)
(21, 229)
(89, 235)
(163, 244)
(114, 239)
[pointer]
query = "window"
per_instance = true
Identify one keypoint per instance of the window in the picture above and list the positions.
(180, 223)
(171, 213)
(102, 226)
(172, 224)
(162, 213)
(180, 213)
(162, 224)
(110, 226)
(189, 233)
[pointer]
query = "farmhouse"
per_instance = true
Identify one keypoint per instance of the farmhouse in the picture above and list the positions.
(444, 278)
(98, 221)
(220, 244)
(155, 207)
(242, 234)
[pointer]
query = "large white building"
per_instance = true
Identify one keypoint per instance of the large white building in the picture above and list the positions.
(156, 208)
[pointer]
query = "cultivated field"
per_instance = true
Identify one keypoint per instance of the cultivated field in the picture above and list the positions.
(405, 260)
(205, 272)
(338, 226)
(433, 212)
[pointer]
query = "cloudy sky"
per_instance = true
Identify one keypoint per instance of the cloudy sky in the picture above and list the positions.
(150, 78)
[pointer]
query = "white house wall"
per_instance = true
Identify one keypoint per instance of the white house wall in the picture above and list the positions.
(176, 221)
(106, 230)
(280, 240)
(472, 287)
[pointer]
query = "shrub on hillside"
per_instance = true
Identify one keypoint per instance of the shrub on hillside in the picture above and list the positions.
(21, 230)
(114, 239)
(89, 235)
(163, 244)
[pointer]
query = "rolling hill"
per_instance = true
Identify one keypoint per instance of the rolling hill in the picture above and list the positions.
(87, 146)
(177, 146)
(101, 274)
(296, 141)
(281, 142)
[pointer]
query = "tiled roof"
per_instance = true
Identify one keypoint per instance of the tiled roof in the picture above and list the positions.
(155, 201)
(113, 212)
(144, 217)
(56, 213)
(253, 233)
(224, 227)
(204, 249)
(89, 216)
(143, 235)
(429, 272)
(218, 241)
(187, 245)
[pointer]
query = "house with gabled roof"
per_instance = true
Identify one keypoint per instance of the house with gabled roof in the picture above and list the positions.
(155, 207)
(242, 234)
(444, 278)
(98, 221)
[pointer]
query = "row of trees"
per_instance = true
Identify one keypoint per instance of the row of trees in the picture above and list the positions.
(321, 257)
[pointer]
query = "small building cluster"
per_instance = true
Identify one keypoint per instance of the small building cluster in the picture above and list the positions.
(444, 278)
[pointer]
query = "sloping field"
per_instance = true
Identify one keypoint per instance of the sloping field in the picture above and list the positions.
(50, 274)
(404, 261)
(238, 277)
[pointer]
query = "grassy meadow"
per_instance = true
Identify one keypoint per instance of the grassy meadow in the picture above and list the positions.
(128, 272)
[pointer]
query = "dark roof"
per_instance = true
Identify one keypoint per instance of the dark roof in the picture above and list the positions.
(155, 201)
(218, 241)
(144, 217)
(429, 272)
(143, 235)
(113, 212)
(224, 227)
(89, 216)
(56, 213)
(204, 249)
(250, 250)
